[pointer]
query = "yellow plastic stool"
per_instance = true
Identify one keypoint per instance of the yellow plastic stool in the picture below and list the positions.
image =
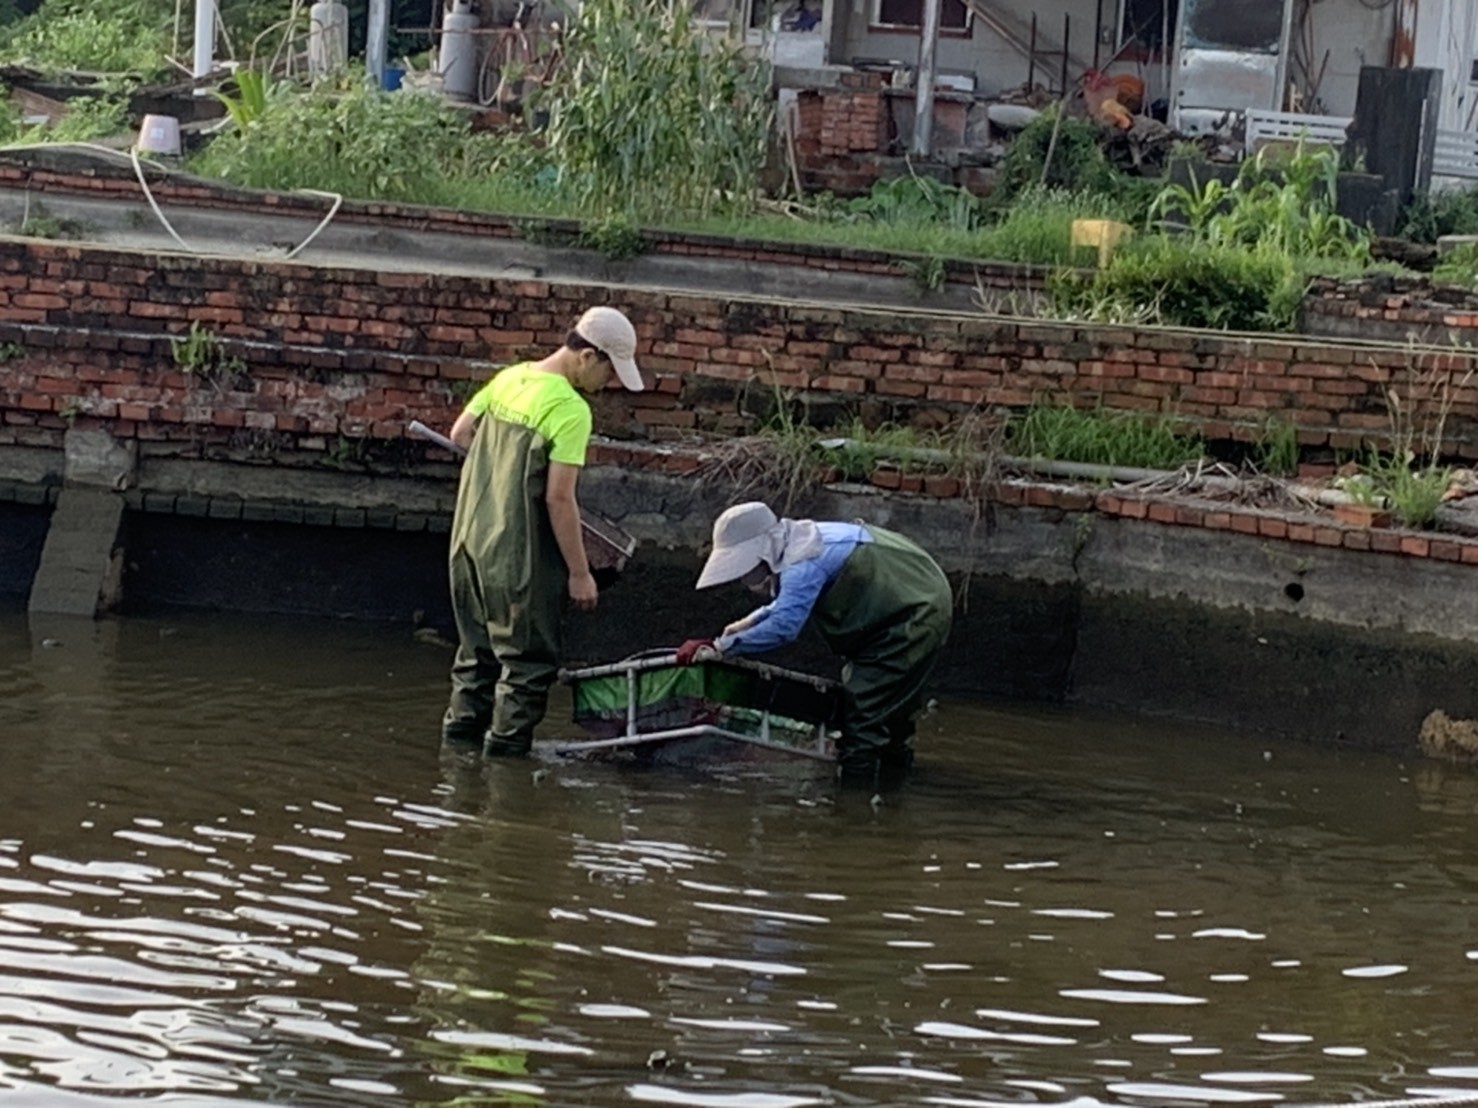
(1105, 234)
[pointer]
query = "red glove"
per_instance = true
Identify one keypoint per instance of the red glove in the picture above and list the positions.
(687, 654)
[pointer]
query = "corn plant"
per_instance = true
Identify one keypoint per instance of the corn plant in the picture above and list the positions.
(650, 116)
(250, 102)
(1285, 206)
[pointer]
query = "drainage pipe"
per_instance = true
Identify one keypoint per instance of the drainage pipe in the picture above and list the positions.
(1050, 467)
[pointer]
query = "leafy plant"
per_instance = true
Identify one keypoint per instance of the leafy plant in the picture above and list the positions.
(38, 223)
(1430, 215)
(200, 355)
(121, 36)
(1413, 493)
(927, 274)
(912, 200)
(1282, 204)
(1459, 266)
(615, 236)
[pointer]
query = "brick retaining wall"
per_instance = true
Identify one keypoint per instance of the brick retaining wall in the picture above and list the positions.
(107, 182)
(1393, 309)
(359, 352)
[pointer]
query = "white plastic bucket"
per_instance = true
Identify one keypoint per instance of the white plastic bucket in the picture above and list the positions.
(160, 134)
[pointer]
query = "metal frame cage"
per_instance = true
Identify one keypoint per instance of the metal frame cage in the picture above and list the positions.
(648, 700)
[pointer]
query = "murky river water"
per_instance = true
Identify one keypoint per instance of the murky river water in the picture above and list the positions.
(234, 866)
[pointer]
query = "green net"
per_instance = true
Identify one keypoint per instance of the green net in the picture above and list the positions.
(670, 697)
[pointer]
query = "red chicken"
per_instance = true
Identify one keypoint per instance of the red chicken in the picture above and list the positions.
(1113, 100)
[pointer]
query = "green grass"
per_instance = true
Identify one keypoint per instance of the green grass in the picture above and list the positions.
(1102, 436)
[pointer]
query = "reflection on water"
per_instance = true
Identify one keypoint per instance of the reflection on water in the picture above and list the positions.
(234, 866)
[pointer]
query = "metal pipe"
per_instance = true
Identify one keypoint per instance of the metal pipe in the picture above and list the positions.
(1031, 57)
(205, 40)
(703, 730)
(923, 113)
(375, 40)
(1049, 467)
(1067, 38)
(1097, 33)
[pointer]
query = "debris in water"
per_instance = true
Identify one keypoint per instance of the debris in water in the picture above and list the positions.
(1456, 740)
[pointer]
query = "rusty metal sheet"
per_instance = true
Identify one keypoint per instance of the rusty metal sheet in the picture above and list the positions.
(1403, 39)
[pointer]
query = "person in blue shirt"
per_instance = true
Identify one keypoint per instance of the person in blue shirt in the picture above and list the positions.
(875, 597)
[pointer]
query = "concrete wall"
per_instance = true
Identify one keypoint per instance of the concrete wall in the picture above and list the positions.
(982, 51)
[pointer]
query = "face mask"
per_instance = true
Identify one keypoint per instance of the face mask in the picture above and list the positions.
(762, 582)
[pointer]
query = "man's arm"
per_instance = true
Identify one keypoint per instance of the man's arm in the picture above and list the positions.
(564, 514)
(463, 430)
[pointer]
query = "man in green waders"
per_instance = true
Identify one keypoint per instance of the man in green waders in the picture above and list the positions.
(517, 550)
(877, 599)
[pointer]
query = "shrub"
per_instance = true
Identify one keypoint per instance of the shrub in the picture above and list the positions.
(1184, 284)
(121, 36)
(1078, 161)
(356, 141)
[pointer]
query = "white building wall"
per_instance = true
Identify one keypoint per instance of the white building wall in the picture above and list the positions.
(1332, 40)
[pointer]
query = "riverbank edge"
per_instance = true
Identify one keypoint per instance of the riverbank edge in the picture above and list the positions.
(1065, 594)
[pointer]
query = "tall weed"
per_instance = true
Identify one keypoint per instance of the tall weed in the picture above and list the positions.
(1037, 228)
(650, 114)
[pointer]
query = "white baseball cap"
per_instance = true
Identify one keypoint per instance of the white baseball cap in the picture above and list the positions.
(610, 332)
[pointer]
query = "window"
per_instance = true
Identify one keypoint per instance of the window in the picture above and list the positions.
(1145, 22)
(715, 13)
(1235, 25)
(908, 15)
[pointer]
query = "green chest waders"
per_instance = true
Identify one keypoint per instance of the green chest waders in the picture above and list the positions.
(887, 613)
(508, 583)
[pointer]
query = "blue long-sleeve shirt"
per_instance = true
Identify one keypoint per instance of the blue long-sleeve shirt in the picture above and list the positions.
(779, 622)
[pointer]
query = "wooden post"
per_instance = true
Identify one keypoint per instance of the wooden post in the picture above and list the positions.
(1395, 126)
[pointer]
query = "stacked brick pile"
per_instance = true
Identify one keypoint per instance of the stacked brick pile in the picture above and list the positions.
(839, 133)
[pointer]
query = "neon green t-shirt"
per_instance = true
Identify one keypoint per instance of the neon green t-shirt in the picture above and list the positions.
(543, 402)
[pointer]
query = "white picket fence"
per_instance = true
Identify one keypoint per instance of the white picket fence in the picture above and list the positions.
(1457, 151)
